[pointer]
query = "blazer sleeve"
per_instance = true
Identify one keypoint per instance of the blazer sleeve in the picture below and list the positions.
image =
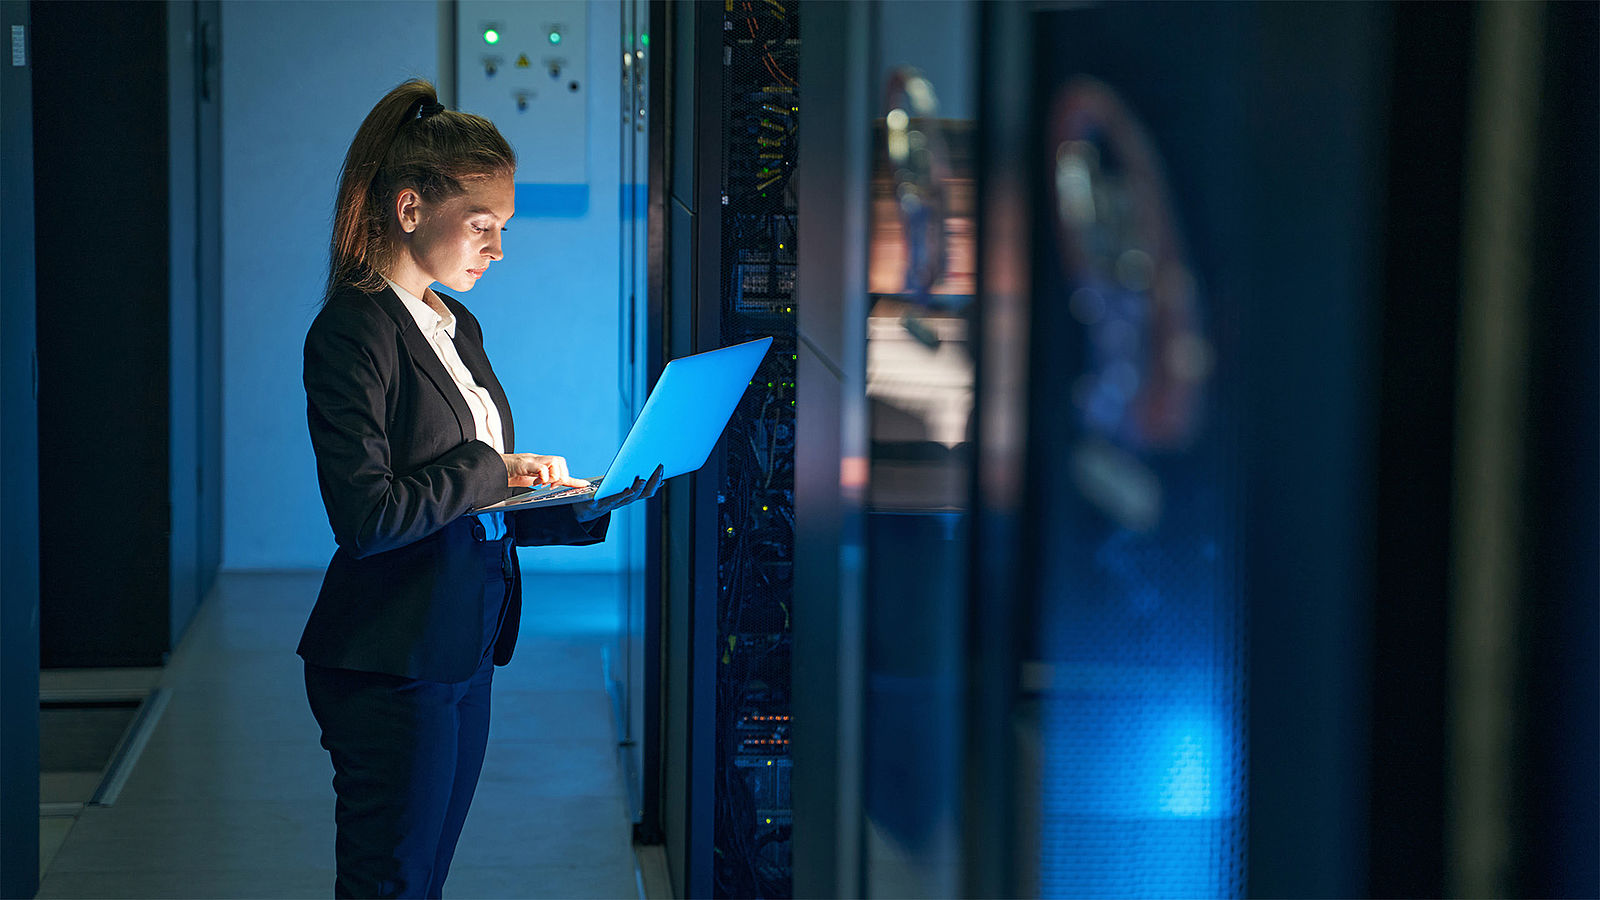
(556, 525)
(350, 363)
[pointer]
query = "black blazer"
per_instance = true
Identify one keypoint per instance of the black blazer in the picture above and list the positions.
(399, 466)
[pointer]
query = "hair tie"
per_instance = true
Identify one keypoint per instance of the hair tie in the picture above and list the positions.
(430, 108)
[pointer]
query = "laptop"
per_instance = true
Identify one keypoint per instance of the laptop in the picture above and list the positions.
(681, 421)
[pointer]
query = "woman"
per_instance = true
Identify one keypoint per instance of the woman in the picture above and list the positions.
(411, 431)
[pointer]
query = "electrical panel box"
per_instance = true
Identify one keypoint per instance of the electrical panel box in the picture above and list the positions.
(525, 67)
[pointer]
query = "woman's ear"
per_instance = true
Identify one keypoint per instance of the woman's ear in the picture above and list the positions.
(408, 209)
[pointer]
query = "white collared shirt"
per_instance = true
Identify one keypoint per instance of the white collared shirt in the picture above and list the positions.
(441, 332)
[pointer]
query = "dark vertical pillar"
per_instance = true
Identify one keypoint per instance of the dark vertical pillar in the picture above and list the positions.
(999, 847)
(830, 449)
(19, 468)
(1305, 320)
(1415, 401)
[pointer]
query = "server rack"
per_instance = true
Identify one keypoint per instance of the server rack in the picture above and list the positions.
(728, 152)
(753, 830)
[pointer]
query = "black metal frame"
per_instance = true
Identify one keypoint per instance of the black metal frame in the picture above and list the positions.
(686, 175)
(649, 829)
(208, 278)
(19, 480)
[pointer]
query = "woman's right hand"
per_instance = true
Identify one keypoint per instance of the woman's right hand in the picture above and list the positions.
(537, 470)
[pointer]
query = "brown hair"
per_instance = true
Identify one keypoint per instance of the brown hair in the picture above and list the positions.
(411, 141)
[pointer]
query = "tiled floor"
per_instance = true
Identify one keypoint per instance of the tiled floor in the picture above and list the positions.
(231, 797)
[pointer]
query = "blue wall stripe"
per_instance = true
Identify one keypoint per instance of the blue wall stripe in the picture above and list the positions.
(553, 201)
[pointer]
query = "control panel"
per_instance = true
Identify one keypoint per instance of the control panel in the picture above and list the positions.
(525, 67)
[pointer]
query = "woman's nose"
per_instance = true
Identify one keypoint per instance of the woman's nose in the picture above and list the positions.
(493, 251)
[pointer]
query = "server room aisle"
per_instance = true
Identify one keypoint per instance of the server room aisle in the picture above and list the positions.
(231, 797)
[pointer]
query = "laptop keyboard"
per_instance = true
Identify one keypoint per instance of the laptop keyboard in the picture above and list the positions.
(570, 492)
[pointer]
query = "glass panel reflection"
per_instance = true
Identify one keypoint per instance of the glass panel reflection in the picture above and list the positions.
(919, 390)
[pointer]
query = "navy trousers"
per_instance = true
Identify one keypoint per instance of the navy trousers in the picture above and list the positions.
(406, 759)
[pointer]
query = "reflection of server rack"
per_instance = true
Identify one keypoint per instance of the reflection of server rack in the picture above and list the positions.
(755, 554)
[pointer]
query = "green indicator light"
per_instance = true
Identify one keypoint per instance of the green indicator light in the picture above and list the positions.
(644, 39)
(490, 36)
(555, 37)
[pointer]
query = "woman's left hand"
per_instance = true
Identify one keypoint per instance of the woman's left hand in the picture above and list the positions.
(641, 489)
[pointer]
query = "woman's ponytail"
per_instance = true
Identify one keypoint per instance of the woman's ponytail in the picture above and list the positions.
(408, 140)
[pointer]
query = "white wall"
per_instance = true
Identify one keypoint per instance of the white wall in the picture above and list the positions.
(297, 78)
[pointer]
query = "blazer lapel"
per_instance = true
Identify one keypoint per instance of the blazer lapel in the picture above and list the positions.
(427, 359)
(477, 362)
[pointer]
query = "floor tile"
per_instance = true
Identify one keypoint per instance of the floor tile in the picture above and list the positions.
(237, 713)
(164, 835)
(531, 715)
(559, 880)
(53, 832)
(232, 771)
(258, 883)
(512, 830)
(551, 769)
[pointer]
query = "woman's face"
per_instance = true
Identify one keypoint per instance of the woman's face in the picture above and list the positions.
(454, 241)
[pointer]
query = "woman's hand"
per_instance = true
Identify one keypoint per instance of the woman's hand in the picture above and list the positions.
(589, 510)
(536, 470)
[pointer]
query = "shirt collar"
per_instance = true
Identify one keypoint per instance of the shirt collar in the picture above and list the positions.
(429, 321)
